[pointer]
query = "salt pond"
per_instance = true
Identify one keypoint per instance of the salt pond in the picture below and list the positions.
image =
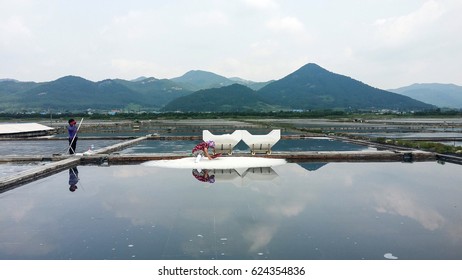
(294, 145)
(48, 147)
(290, 211)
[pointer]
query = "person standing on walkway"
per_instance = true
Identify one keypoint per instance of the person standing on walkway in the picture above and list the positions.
(72, 130)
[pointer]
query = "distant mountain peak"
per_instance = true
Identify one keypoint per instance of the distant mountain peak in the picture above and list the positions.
(70, 79)
(312, 66)
(313, 87)
(200, 74)
(139, 79)
(441, 95)
(147, 80)
(308, 88)
(199, 79)
(232, 98)
(198, 71)
(9, 80)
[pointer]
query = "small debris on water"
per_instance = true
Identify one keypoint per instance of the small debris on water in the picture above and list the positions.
(260, 254)
(390, 256)
(130, 246)
(200, 235)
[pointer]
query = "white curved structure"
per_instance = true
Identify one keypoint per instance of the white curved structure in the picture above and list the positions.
(224, 143)
(261, 143)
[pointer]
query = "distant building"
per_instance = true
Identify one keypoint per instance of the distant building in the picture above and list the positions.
(15, 130)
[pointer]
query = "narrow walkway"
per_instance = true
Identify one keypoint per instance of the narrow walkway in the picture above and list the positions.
(58, 163)
(120, 146)
(389, 156)
(26, 176)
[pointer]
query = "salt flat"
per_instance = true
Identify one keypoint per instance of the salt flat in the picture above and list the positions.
(218, 163)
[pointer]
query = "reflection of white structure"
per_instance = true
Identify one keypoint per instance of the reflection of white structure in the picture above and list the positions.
(261, 143)
(237, 176)
(225, 142)
(223, 175)
(260, 173)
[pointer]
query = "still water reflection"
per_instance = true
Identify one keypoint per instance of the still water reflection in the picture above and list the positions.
(292, 211)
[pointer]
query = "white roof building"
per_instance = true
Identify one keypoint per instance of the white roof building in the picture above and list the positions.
(11, 130)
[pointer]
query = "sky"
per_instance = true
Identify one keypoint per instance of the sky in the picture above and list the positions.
(384, 43)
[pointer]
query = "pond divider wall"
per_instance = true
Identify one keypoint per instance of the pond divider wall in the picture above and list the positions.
(33, 174)
(107, 155)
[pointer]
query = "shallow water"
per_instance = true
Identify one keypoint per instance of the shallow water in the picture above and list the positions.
(49, 147)
(292, 211)
(293, 145)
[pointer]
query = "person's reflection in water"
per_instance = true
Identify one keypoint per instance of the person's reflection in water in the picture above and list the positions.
(73, 178)
(203, 175)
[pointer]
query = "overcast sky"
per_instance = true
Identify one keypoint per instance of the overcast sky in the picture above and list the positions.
(383, 43)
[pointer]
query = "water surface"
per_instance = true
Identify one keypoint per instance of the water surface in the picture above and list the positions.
(293, 211)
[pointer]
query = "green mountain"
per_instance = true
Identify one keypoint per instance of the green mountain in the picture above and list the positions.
(233, 98)
(75, 93)
(156, 92)
(9, 91)
(313, 87)
(197, 79)
(310, 87)
(441, 95)
(250, 84)
(78, 94)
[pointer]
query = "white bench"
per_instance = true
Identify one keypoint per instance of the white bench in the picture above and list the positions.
(261, 143)
(224, 143)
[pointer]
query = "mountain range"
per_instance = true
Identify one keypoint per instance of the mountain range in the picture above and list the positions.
(310, 87)
(441, 95)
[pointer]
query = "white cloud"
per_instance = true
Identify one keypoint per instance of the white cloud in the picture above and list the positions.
(286, 24)
(208, 19)
(377, 42)
(396, 30)
(132, 25)
(264, 48)
(14, 30)
(132, 67)
(402, 203)
(262, 4)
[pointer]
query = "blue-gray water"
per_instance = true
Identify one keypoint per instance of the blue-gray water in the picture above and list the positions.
(294, 145)
(49, 147)
(293, 211)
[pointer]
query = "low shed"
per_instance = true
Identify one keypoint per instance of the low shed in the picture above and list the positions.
(14, 130)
